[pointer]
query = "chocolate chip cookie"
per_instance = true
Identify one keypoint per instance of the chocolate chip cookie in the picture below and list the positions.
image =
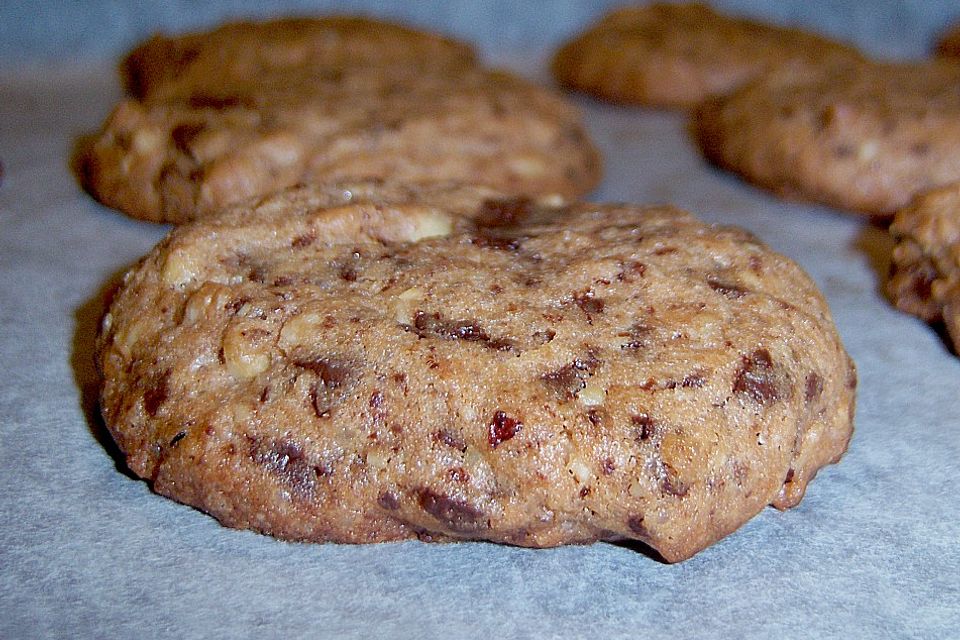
(366, 363)
(925, 272)
(864, 138)
(675, 55)
(251, 108)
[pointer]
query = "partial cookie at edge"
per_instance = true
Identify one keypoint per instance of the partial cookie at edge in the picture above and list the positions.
(925, 271)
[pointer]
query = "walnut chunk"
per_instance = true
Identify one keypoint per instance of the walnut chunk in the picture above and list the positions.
(181, 267)
(246, 349)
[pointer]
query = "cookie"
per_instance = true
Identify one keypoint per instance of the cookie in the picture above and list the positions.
(372, 363)
(948, 45)
(864, 138)
(231, 60)
(925, 271)
(225, 116)
(676, 55)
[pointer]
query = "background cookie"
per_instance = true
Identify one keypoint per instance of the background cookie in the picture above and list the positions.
(948, 45)
(347, 368)
(236, 58)
(294, 110)
(863, 137)
(675, 55)
(925, 273)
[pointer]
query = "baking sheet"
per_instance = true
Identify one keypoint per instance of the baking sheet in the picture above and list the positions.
(87, 551)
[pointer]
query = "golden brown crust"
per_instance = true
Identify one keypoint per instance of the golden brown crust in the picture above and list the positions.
(676, 55)
(865, 138)
(925, 271)
(225, 116)
(371, 362)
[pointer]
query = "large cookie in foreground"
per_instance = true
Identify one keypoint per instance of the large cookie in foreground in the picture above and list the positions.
(676, 55)
(365, 364)
(252, 108)
(864, 138)
(925, 271)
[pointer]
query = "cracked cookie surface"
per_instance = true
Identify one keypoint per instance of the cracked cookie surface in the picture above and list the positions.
(364, 363)
(676, 55)
(251, 108)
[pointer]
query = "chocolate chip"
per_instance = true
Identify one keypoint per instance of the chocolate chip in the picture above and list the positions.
(588, 303)
(921, 280)
(501, 344)
(852, 378)
(732, 291)
(756, 377)
(570, 378)
(635, 524)
(645, 427)
(258, 274)
(433, 325)
(543, 337)
(565, 381)
(334, 378)
(234, 305)
(388, 501)
(456, 515)
(694, 381)
(608, 466)
(177, 438)
(787, 111)
(500, 243)
(450, 439)
(639, 334)
(813, 388)
(502, 428)
(843, 151)
(672, 485)
(332, 373)
(183, 135)
(304, 240)
(595, 416)
(349, 273)
(503, 213)
(458, 474)
(286, 459)
(156, 395)
(210, 101)
(630, 269)
(740, 472)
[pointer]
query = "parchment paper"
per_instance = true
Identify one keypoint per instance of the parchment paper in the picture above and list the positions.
(87, 551)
